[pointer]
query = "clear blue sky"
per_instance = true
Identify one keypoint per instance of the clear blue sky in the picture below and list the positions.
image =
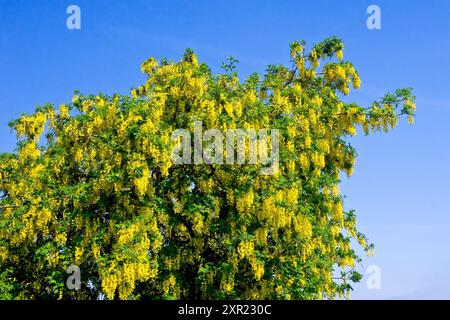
(401, 184)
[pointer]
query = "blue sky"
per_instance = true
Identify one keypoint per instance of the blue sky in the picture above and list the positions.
(401, 185)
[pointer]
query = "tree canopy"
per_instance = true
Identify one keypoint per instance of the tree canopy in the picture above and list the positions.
(92, 184)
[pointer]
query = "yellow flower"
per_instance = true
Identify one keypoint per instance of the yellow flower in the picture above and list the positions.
(304, 161)
(79, 251)
(29, 151)
(109, 285)
(229, 109)
(356, 82)
(61, 238)
(308, 141)
(141, 184)
(64, 112)
(3, 254)
(335, 230)
(245, 249)
(258, 269)
(337, 212)
(292, 196)
(302, 225)
(340, 54)
(198, 224)
(244, 203)
(95, 251)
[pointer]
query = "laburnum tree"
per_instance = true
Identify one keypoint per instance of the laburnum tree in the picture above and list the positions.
(92, 184)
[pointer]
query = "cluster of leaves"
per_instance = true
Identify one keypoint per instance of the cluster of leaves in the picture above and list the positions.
(92, 184)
